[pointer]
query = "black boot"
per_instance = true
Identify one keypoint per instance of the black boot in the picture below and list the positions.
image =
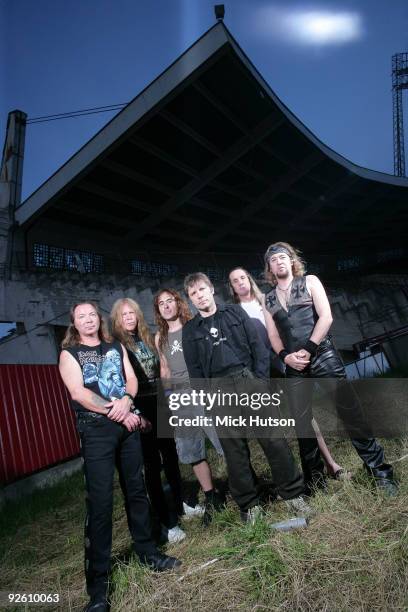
(214, 502)
(316, 483)
(384, 479)
(97, 603)
(158, 562)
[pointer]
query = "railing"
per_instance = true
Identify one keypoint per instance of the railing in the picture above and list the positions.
(368, 366)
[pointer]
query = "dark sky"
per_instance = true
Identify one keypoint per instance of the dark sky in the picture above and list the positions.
(329, 62)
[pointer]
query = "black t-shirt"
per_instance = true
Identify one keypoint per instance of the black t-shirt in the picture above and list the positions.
(145, 365)
(223, 357)
(102, 370)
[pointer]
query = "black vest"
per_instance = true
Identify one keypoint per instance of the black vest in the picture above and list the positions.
(296, 325)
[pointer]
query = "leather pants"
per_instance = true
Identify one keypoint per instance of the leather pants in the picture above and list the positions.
(326, 364)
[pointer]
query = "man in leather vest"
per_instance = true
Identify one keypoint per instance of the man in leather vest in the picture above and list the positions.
(298, 318)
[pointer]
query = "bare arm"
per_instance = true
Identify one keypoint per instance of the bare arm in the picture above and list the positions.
(132, 384)
(164, 366)
(72, 376)
(121, 407)
(293, 360)
(322, 306)
(273, 334)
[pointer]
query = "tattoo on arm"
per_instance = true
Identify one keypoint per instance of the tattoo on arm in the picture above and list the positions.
(99, 402)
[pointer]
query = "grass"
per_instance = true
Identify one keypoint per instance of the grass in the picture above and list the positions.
(353, 555)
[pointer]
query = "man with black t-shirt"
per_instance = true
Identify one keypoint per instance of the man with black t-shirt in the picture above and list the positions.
(102, 384)
(222, 342)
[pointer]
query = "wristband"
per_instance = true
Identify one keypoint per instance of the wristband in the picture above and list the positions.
(128, 395)
(282, 354)
(310, 347)
(134, 410)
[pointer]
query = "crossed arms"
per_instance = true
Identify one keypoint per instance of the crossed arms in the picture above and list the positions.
(119, 410)
(300, 359)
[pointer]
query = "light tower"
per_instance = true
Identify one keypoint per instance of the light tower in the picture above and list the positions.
(399, 82)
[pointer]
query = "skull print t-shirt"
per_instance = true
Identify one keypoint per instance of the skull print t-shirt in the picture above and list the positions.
(223, 357)
(145, 364)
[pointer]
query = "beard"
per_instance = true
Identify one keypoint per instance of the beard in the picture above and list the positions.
(283, 274)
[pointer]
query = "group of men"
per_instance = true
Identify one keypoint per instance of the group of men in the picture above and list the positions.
(221, 342)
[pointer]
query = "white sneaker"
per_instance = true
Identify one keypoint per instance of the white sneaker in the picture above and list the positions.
(190, 511)
(175, 534)
(298, 505)
(251, 515)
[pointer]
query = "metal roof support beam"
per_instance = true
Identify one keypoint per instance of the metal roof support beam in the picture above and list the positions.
(151, 148)
(189, 131)
(321, 202)
(137, 177)
(133, 175)
(206, 176)
(364, 204)
(154, 150)
(281, 185)
(114, 196)
(115, 221)
(205, 92)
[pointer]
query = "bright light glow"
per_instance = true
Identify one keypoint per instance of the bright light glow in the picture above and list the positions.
(309, 27)
(324, 28)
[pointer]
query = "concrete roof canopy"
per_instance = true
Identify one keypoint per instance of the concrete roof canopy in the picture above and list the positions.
(207, 159)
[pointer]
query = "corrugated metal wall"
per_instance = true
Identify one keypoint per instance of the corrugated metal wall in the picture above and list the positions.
(37, 424)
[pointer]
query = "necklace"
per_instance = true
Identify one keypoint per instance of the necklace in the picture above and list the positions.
(285, 292)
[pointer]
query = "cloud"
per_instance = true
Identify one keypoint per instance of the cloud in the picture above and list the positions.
(309, 27)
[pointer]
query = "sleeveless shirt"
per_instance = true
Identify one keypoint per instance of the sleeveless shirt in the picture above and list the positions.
(102, 370)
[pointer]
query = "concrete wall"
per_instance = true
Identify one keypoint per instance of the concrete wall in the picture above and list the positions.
(42, 300)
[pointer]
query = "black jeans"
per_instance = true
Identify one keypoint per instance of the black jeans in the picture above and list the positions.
(158, 452)
(243, 487)
(327, 365)
(103, 444)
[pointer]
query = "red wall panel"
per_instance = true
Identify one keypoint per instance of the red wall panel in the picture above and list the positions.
(37, 424)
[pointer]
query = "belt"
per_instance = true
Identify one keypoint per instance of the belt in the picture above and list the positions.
(89, 416)
(242, 372)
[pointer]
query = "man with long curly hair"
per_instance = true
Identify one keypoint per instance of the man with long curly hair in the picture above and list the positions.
(172, 313)
(298, 318)
(102, 385)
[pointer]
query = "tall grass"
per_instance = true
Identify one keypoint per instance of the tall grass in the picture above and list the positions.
(353, 555)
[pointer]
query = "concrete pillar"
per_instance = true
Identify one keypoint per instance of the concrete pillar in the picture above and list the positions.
(11, 176)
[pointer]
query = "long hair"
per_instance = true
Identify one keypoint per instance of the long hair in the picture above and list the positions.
(142, 327)
(256, 293)
(183, 313)
(298, 266)
(72, 338)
